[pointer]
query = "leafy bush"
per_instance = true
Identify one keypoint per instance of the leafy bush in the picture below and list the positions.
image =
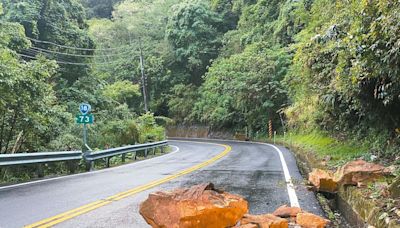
(244, 89)
(149, 130)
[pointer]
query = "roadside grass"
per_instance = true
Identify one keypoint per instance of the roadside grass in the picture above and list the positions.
(334, 151)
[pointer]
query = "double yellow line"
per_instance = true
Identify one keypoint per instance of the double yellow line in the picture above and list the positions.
(49, 222)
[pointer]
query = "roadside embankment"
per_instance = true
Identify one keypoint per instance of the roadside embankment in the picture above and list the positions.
(374, 204)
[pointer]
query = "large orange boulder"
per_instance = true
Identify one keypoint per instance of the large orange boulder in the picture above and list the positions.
(198, 206)
(359, 172)
(264, 221)
(286, 212)
(308, 220)
(323, 181)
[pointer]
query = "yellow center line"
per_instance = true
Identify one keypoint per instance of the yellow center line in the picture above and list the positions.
(49, 222)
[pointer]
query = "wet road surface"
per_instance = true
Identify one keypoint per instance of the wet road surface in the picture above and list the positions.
(249, 169)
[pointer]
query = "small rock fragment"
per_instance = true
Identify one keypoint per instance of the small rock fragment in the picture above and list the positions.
(286, 212)
(247, 226)
(265, 221)
(323, 181)
(397, 211)
(308, 220)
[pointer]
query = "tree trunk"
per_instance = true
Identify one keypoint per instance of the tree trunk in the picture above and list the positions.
(2, 130)
(14, 121)
(18, 142)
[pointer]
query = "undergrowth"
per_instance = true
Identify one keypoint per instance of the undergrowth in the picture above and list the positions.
(334, 151)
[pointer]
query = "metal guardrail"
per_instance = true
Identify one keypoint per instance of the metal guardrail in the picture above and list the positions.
(89, 157)
(42, 157)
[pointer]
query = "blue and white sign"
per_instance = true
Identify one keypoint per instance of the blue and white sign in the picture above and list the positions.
(85, 108)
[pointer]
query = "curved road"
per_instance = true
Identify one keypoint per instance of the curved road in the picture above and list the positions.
(110, 197)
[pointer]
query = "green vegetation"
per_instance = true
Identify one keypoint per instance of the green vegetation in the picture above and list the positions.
(99, 8)
(328, 70)
(41, 88)
(335, 151)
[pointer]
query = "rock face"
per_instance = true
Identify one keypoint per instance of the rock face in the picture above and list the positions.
(308, 220)
(359, 172)
(198, 206)
(287, 212)
(264, 221)
(323, 181)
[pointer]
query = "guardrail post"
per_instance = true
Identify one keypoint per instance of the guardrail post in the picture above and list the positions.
(145, 153)
(154, 151)
(108, 162)
(39, 170)
(89, 166)
(71, 166)
(123, 158)
(135, 155)
(89, 163)
(162, 149)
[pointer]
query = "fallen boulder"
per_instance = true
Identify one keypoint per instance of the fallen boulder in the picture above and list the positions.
(323, 181)
(286, 212)
(308, 220)
(359, 172)
(198, 206)
(264, 221)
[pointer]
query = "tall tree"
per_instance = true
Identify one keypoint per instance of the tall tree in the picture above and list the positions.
(99, 8)
(245, 89)
(60, 22)
(195, 33)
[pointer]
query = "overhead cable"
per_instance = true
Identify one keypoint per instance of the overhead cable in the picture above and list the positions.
(51, 55)
(32, 55)
(79, 55)
(77, 48)
(60, 62)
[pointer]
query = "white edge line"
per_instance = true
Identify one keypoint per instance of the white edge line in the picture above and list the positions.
(92, 172)
(294, 202)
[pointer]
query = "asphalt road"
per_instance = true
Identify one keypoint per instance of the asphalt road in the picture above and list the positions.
(251, 170)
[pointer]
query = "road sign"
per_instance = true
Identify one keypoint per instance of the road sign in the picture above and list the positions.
(85, 119)
(85, 108)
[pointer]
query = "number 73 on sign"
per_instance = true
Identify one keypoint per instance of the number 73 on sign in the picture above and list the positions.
(85, 119)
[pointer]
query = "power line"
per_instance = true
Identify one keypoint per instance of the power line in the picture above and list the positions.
(36, 52)
(77, 48)
(49, 55)
(31, 54)
(79, 55)
(60, 53)
(60, 62)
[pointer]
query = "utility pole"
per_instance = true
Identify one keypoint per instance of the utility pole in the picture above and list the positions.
(143, 76)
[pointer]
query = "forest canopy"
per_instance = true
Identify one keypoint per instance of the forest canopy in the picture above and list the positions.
(307, 65)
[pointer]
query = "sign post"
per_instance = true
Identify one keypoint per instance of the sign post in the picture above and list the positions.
(270, 129)
(84, 134)
(85, 118)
